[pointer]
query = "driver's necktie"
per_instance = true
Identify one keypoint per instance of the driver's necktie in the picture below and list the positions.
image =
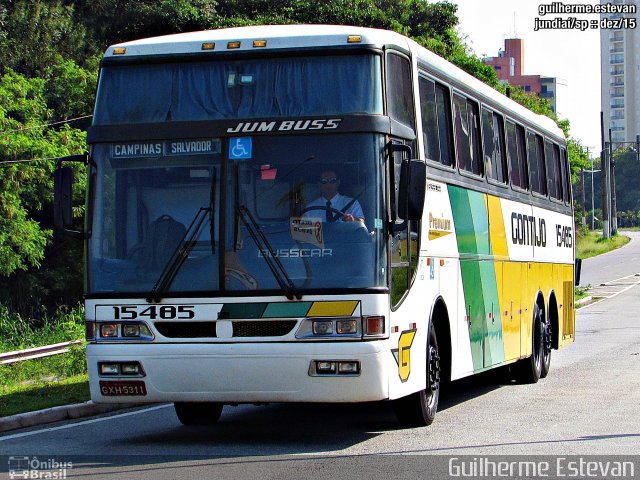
(330, 217)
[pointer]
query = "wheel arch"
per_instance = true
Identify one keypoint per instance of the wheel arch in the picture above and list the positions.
(553, 316)
(439, 317)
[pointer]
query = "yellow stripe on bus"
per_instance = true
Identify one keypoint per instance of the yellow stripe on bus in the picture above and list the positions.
(333, 309)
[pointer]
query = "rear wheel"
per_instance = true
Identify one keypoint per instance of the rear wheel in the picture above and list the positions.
(547, 335)
(198, 413)
(529, 370)
(419, 409)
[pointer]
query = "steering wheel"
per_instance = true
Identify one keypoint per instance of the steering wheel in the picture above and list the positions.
(326, 209)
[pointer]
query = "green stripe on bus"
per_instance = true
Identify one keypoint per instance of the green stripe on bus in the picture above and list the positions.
(287, 310)
(478, 276)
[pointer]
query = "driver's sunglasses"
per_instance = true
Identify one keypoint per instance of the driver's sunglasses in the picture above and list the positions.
(330, 180)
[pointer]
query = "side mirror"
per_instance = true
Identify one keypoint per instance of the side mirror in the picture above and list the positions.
(412, 188)
(63, 195)
(62, 198)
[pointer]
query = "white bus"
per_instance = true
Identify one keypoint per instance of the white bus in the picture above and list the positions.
(218, 273)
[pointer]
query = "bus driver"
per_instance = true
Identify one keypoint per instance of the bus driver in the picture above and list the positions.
(336, 207)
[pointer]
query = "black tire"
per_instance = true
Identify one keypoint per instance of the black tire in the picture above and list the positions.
(529, 370)
(198, 413)
(419, 409)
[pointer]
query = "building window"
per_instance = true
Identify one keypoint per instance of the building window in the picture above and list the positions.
(527, 88)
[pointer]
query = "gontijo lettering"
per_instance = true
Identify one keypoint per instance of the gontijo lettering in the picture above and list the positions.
(528, 230)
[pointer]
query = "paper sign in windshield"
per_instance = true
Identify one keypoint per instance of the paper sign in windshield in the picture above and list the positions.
(308, 230)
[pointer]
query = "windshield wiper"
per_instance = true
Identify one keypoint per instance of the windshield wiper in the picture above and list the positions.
(181, 253)
(268, 253)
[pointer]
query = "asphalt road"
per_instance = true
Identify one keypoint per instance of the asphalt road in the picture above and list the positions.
(613, 265)
(588, 405)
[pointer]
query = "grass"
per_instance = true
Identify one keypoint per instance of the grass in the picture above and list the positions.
(38, 394)
(45, 382)
(17, 332)
(591, 244)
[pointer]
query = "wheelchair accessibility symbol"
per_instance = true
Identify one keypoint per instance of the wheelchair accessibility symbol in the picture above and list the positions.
(240, 148)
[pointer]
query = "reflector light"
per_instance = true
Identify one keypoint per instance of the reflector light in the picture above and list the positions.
(322, 327)
(348, 367)
(346, 326)
(374, 325)
(231, 45)
(119, 51)
(90, 331)
(208, 46)
(354, 39)
(259, 43)
(109, 369)
(109, 330)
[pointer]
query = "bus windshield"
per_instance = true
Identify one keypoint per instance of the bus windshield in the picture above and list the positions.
(253, 222)
(239, 89)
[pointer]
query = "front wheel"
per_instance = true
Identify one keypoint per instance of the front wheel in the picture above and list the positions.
(529, 370)
(419, 408)
(198, 413)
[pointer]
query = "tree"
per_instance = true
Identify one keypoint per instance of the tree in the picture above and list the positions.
(26, 187)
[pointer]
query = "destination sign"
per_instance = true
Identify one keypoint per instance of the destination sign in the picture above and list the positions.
(168, 148)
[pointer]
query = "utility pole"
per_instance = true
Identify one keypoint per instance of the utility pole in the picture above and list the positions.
(584, 203)
(614, 201)
(606, 195)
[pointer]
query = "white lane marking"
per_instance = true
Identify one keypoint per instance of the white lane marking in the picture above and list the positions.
(614, 295)
(77, 424)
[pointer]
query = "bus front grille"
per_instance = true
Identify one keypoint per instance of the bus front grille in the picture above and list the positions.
(249, 328)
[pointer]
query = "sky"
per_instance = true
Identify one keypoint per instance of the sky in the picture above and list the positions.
(571, 55)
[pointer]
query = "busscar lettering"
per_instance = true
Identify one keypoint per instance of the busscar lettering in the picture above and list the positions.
(297, 253)
(528, 230)
(285, 126)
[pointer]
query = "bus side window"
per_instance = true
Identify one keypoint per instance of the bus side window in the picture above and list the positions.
(467, 133)
(493, 142)
(436, 121)
(443, 103)
(517, 157)
(566, 176)
(536, 163)
(400, 94)
(554, 178)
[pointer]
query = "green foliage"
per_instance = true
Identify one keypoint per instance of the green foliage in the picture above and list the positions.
(18, 332)
(36, 33)
(26, 187)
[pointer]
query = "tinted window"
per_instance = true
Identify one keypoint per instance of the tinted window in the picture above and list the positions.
(517, 157)
(493, 143)
(444, 124)
(436, 121)
(554, 175)
(467, 132)
(399, 87)
(566, 175)
(536, 163)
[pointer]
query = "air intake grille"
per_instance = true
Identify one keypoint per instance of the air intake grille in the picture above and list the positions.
(277, 328)
(261, 328)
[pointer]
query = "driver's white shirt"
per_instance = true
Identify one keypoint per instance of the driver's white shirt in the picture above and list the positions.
(338, 202)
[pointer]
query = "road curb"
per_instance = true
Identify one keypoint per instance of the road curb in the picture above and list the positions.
(56, 414)
(584, 301)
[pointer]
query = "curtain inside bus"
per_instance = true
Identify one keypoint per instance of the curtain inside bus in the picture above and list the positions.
(284, 87)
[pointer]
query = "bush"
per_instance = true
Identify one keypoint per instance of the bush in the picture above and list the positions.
(17, 332)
